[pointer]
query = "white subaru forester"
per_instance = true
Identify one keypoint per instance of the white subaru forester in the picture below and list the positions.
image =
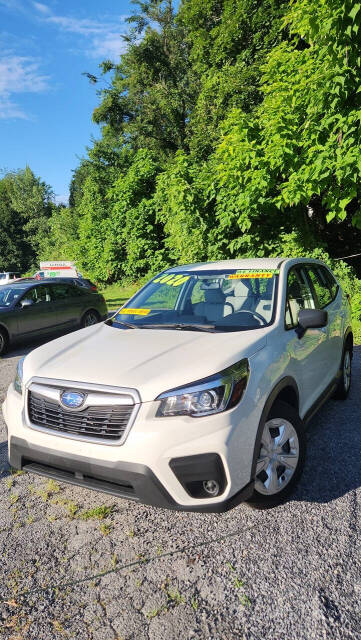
(196, 393)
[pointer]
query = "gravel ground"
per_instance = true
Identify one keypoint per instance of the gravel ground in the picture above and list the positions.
(291, 573)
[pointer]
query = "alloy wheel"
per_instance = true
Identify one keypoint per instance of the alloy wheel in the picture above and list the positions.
(278, 456)
(347, 370)
(90, 319)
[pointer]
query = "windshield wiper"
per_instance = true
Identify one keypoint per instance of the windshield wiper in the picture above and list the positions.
(126, 324)
(179, 326)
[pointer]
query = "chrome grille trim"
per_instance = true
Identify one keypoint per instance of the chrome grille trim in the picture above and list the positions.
(106, 416)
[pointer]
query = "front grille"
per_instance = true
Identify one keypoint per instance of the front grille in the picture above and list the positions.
(103, 422)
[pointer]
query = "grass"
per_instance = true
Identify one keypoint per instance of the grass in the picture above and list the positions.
(98, 513)
(356, 326)
(116, 294)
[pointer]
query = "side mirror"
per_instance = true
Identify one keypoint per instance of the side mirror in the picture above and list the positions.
(310, 319)
(26, 303)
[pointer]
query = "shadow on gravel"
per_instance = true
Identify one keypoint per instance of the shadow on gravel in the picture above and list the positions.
(333, 466)
(4, 465)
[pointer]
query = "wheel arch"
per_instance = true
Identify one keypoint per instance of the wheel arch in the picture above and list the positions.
(286, 390)
(6, 331)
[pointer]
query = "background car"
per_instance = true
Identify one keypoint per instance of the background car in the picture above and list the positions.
(80, 282)
(7, 277)
(30, 309)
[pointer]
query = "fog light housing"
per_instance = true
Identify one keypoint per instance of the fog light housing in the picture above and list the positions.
(202, 476)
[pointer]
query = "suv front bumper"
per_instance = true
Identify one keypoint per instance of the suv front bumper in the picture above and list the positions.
(163, 462)
(124, 479)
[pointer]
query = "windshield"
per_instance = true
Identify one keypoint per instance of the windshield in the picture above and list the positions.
(9, 295)
(204, 300)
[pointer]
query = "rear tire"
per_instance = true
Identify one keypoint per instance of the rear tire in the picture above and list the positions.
(4, 342)
(89, 319)
(280, 458)
(344, 384)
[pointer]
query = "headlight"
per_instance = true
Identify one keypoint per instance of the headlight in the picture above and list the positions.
(18, 382)
(205, 397)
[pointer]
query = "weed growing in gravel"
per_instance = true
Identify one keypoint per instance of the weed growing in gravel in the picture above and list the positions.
(16, 472)
(57, 626)
(105, 528)
(244, 600)
(194, 603)
(98, 513)
(29, 519)
(175, 597)
(51, 518)
(131, 533)
(155, 612)
(52, 486)
(239, 584)
(72, 508)
(14, 497)
(9, 483)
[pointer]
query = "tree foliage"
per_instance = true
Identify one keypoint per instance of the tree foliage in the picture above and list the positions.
(26, 206)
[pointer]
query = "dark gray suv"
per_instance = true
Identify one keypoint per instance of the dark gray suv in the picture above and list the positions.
(30, 310)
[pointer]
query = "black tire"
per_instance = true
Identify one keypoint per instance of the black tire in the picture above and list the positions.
(89, 318)
(344, 384)
(297, 442)
(4, 342)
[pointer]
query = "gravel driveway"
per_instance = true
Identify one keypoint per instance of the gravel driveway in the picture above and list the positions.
(80, 564)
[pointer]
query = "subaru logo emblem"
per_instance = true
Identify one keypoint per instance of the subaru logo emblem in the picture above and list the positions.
(72, 399)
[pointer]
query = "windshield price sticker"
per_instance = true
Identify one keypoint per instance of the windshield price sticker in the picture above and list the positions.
(250, 274)
(172, 279)
(134, 312)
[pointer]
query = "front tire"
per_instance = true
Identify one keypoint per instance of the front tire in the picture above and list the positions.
(344, 384)
(89, 319)
(280, 458)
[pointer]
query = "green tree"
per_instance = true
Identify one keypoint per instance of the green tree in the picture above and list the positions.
(147, 102)
(296, 162)
(229, 41)
(26, 205)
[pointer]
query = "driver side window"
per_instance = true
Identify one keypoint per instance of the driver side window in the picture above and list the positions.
(299, 296)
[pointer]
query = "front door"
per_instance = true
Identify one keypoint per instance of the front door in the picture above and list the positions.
(310, 358)
(36, 318)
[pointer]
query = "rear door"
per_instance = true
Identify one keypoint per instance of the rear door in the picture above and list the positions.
(65, 305)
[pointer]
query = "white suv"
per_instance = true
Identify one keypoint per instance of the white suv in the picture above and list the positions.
(195, 394)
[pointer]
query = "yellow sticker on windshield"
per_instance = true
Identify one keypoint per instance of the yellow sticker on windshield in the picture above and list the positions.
(172, 279)
(179, 280)
(135, 312)
(238, 276)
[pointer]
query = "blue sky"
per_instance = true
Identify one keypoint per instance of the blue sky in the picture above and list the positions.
(45, 102)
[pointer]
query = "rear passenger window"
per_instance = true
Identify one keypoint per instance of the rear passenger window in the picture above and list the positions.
(60, 291)
(321, 285)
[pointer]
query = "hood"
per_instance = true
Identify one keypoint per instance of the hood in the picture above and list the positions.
(151, 361)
